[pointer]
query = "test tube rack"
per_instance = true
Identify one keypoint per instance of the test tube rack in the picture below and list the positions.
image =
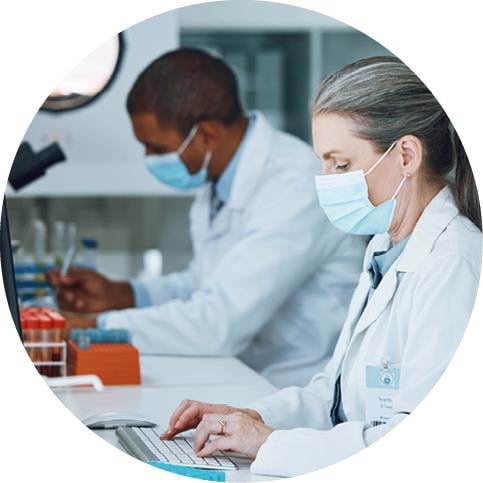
(58, 348)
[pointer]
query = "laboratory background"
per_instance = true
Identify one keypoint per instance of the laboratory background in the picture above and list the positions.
(124, 222)
(168, 266)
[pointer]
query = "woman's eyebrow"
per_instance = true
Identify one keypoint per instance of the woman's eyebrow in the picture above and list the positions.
(330, 153)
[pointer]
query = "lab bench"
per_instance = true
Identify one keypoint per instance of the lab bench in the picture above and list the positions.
(166, 381)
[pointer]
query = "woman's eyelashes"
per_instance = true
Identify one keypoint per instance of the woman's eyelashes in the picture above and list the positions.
(341, 166)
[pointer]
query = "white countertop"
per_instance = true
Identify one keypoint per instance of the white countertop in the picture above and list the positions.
(166, 381)
(195, 371)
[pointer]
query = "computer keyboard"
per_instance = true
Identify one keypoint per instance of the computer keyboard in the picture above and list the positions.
(144, 444)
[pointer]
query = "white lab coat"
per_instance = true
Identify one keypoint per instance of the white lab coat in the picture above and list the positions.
(270, 280)
(415, 319)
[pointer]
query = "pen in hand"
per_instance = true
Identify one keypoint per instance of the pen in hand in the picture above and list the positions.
(66, 263)
(69, 257)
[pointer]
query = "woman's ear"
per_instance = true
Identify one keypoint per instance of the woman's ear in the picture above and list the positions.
(410, 149)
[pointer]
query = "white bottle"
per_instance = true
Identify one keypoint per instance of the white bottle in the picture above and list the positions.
(58, 243)
(40, 239)
(89, 253)
(71, 235)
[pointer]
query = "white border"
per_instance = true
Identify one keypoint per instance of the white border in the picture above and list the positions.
(41, 40)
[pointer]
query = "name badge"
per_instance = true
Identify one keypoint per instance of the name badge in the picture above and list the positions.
(382, 382)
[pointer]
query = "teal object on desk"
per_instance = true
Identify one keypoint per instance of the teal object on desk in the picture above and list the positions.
(209, 475)
(101, 336)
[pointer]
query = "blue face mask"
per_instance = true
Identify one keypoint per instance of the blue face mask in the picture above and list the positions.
(345, 200)
(169, 168)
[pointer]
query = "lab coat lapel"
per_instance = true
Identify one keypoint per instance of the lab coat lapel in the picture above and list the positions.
(369, 309)
(378, 301)
(210, 229)
(252, 162)
(355, 309)
(247, 176)
(434, 220)
(220, 224)
(201, 216)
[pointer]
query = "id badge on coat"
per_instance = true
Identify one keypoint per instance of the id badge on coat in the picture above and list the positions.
(382, 384)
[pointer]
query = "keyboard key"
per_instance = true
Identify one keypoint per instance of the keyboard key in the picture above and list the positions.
(185, 458)
(183, 444)
(224, 461)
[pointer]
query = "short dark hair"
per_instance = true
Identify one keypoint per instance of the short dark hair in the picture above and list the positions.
(186, 86)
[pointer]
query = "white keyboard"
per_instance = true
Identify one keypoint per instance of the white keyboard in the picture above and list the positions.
(144, 444)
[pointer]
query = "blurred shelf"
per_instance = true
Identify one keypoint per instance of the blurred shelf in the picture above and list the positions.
(242, 15)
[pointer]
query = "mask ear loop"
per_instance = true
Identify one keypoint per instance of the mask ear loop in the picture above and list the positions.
(406, 176)
(188, 139)
(381, 159)
(207, 159)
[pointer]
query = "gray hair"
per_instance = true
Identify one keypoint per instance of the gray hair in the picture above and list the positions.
(387, 101)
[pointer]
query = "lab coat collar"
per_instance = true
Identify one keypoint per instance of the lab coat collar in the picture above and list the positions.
(253, 158)
(434, 220)
(210, 229)
(247, 176)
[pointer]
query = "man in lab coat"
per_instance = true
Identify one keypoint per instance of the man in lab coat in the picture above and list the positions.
(270, 280)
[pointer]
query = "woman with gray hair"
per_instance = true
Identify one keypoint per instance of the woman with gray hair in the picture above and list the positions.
(393, 167)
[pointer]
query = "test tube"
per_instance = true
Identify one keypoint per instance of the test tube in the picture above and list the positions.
(58, 247)
(83, 340)
(25, 322)
(40, 236)
(71, 235)
(30, 332)
(45, 332)
(58, 326)
(95, 336)
(74, 334)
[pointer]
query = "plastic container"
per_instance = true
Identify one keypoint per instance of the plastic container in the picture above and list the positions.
(114, 364)
(89, 253)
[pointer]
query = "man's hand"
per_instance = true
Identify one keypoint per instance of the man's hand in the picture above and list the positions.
(78, 321)
(88, 291)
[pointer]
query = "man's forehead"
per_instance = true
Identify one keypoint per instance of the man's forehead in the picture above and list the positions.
(147, 126)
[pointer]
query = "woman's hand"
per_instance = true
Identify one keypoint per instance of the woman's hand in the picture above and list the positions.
(236, 432)
(190, 413)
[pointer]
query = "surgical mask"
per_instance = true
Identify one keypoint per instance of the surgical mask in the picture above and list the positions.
(169, 169)
(345, 200)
